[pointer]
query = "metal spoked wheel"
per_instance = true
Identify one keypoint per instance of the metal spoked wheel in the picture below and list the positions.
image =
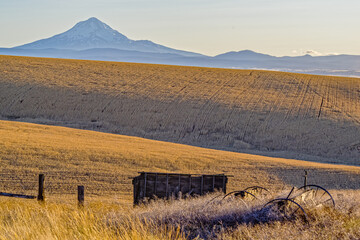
(285, 209)
(257, 191)
(249, 192)
(241, 194)
(314, 196)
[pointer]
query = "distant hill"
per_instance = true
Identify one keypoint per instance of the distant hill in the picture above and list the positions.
(95, 40)
(244, 55)
(290, 115)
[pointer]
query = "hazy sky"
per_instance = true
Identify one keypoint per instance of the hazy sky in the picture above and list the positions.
(277, 27)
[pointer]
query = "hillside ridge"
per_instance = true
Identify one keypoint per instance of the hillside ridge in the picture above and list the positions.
(106, 162)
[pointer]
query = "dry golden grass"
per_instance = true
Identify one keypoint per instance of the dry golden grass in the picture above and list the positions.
(286, 114)
(184, 219)
(104, 162)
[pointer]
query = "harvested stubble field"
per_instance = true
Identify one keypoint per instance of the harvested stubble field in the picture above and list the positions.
(290, 115)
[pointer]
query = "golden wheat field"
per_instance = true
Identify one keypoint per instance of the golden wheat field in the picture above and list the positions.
(104, 162)
(308, 117)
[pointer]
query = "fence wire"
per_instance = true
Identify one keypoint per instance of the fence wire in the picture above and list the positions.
(63, 183)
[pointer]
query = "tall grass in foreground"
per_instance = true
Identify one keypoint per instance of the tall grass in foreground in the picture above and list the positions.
(195, 218)
(21, 219)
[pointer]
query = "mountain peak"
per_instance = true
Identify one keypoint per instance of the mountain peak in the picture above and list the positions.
(93, 19)
(93, 22)
(247, 51)
(93, 33)
(92, 26)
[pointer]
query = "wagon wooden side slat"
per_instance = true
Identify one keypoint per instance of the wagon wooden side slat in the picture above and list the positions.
(150, 185)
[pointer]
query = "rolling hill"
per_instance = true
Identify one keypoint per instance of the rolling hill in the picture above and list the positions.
(289, 115)
(104, 163)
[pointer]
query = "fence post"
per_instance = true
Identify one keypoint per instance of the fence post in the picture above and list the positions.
(41, 195)
(81, 196)
(305, 178)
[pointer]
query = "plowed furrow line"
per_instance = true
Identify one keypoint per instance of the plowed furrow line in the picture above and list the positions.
(229, 114)
(294, 99)
(236, 100)
(18, 97)
(209, 105)
(260, 99)
(331, 104)
(170, 108)
(280, 97)
(154, 107)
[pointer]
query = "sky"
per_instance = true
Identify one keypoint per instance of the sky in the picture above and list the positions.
(211, 27)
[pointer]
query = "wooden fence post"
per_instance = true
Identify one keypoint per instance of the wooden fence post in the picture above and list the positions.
(305, 178)
(41, 195)
(81, 196)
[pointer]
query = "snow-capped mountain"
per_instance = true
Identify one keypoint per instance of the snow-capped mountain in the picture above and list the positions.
(93, 33)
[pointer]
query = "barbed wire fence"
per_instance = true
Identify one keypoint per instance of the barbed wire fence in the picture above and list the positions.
(112, 185)
(28, 184)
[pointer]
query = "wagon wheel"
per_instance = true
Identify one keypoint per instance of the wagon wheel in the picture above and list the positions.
(314, 195)
(214, 198)
(285, 209)
(241, 194)
(257, 190)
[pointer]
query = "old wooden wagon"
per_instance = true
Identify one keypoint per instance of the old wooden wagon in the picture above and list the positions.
(149, 185)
